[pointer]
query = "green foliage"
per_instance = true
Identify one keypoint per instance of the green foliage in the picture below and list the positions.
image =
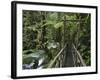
(58, 25)
(45, 33)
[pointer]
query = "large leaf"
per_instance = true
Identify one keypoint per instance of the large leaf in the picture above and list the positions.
(48, 23)
(59, 24)
(52, 16)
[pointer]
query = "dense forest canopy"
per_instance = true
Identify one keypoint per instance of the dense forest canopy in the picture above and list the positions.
(49, 37)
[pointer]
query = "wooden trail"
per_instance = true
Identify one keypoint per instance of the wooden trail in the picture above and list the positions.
(75, 57)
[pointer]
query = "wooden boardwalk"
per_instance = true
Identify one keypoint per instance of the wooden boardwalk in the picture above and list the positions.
(67, 58)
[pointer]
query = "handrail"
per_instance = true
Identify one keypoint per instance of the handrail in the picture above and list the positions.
(54, 60)
(77, 53)
(79, 56)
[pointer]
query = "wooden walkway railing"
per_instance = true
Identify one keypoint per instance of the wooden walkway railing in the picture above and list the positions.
(57, 56)
(78, 60)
